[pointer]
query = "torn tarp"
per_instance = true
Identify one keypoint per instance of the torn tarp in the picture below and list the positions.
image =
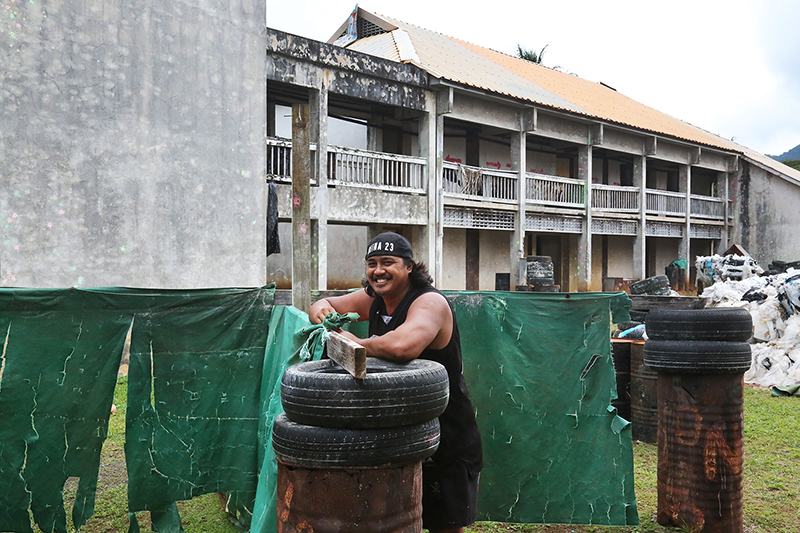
(60, 355)
(192, 422)
(541, 378)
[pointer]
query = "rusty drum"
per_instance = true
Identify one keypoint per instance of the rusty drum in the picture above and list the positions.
(368, 500)
(700, 356)
(700, 452)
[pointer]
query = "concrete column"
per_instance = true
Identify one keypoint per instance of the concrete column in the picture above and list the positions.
(375, 134)
(584, 259)
(640, 241)
(271, 119)
(519, 163)
(685, 185)
(427, 149)
(319, 128)
(723, 184)
(439, 199)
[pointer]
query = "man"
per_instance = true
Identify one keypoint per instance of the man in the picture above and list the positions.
(408, 318)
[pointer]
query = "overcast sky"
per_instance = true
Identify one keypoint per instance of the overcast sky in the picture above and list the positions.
(731, 67)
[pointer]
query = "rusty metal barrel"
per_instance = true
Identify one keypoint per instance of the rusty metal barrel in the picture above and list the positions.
(369, 500)
(700, 359)
(644, 397)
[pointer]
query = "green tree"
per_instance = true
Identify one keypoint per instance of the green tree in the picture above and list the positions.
(531, 55)
(794, 163)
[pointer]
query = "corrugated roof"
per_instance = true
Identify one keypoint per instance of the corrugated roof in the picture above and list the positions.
(382, 45)
(475, 66)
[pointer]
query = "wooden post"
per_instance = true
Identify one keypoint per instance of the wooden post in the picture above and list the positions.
(301, 207)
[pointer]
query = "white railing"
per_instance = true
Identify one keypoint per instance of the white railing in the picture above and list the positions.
(554, 191)
(279, 160)
(482, 183)
(615, 198)
(347, 166)
(666, 203)
(708, 207)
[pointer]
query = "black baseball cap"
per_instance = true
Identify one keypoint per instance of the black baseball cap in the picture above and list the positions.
(389, 243)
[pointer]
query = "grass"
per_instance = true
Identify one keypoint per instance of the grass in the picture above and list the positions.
(771, 474)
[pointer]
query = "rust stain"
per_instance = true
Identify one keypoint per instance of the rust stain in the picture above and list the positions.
(717, 449)
(688, 437)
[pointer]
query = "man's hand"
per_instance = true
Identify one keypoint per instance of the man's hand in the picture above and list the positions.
(319, 311)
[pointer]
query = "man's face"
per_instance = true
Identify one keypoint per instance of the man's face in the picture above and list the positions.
(387, 274)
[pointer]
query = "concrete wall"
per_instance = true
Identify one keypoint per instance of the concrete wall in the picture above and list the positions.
(768, 220)
(663, 251)
(620, 256)
(541, 162)
(346, 248)
(131, 143)
(454, 259)
(494, 250)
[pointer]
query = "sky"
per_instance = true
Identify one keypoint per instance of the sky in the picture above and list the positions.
(731, 67)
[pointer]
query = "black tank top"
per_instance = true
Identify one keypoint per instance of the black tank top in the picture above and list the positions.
(460, 439)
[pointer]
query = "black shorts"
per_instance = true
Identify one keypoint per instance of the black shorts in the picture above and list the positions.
(449, 495)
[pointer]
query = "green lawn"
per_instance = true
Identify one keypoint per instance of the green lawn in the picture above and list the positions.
(771, 475)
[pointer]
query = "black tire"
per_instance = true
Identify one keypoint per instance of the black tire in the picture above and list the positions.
(311, 446)
(653, 285)
(638, 315)
(714, 324)
(321, 393)
(541, 282)
(539, 258)
(697, 357)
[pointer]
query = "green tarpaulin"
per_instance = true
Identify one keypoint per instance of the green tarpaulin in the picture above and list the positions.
(203, 391)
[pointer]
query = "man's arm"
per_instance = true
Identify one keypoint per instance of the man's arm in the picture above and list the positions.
(429, 323)
(354, 302)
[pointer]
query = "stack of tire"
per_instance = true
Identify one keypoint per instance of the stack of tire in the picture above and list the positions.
(700, 356)
(539, 274)
(653, 286)
(332, 419)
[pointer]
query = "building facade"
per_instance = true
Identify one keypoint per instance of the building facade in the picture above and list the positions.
(493, 159)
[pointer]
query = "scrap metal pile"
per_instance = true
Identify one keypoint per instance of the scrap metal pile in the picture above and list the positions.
(773, 299)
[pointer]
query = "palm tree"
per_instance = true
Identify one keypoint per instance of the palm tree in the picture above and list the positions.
(531, 55)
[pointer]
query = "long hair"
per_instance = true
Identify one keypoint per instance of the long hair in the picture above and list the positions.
(419, 276)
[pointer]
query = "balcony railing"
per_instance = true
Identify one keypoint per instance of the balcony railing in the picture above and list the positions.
(554, 191)
(708, 207)
(615, 198)
(357, 168)
(666, 203)
(479, 183)
(376, 170)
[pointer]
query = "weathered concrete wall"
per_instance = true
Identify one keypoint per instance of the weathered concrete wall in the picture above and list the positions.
(454, 259)
(767, 224)
(131, 143)
(620, 256)
(346, 247)
(494, 252)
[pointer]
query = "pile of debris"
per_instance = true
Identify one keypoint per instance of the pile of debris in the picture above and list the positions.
(773, 299)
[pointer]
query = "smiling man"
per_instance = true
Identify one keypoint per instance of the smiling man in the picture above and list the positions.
(409, 318)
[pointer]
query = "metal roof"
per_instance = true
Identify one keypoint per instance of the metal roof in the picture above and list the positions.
(467, 64)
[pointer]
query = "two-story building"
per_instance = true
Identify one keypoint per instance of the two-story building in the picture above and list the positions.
(481, 159)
